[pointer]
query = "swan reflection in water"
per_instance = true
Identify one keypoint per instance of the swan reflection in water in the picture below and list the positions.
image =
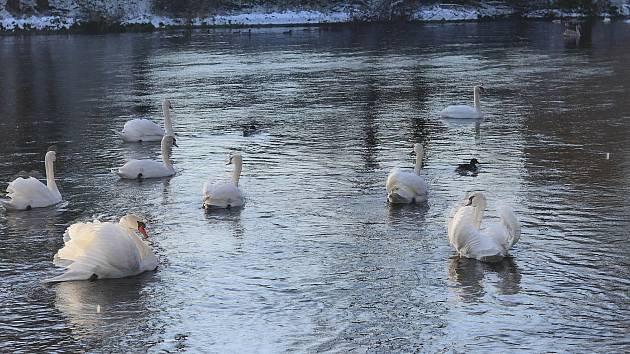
(104, 310)
(471, 277)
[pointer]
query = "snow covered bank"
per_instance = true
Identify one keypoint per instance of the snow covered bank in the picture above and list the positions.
(71, 14)
(246, 19)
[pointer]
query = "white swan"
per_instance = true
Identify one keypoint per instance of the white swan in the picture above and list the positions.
(138, 169)
(464, 111)
(29, 193)
(407, 187)
(569, 33)
(225, 194)
(98, 250)
(139, 130)
(488, 245)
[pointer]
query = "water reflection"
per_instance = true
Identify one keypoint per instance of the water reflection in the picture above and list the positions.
(317, 259)
(101, 310)
(472, 278)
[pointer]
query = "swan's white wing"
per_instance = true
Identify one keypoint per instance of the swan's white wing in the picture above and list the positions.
(104, 249)
(25, 192)
(141, 129)
(147, 168)
(222, 195)
(507, 231)
(488, 245)
(405, 187)
(460, 111)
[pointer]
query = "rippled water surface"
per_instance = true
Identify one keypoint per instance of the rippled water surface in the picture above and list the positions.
(317, 260)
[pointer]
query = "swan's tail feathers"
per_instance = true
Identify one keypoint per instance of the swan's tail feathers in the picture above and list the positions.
(70, 275)
(511, 223)
(400, 195)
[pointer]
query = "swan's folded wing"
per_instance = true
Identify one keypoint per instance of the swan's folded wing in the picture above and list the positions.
(142, 127)
(104, 249)
(222, 195)
(415, 183)
(510, 223)
(459, 111)
(27, 191)
(148, 169)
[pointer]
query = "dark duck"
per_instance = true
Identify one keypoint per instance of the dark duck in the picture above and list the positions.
(468, 168)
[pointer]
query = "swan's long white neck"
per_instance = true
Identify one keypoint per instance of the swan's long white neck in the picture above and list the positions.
(168, 125)
(165, 158)
(476, 99)
(478, 212)
(419, 156)
(238, 167)
(50, 172)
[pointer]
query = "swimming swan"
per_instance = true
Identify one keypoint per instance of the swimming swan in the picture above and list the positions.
(464, 111)
(225, 194)
(139, 130)
(569, 33)
(407, 187)
(98, 250)
(490, 244)
(29, 193)
(138, 169)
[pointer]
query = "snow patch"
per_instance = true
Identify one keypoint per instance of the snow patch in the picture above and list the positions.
(452, 12)
(37, 23)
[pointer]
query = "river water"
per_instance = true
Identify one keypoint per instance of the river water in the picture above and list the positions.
(317, 260)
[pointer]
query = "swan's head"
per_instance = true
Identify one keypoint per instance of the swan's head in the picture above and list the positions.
(51, 156)
(474, 162)
(134, 222)
(418, 149)
(167, 104)
(476, 200)
(235, 159)
(479, 89)
(168, 141)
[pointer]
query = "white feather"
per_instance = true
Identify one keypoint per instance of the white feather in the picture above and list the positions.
(489, 244)
(225, 194)
(464, 111)
(135, 169)
(107, 250)
(28, 193)
(405, 187)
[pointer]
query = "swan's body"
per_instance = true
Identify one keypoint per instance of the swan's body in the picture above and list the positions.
(138, 169)
(405, 187)
(225, 194)
(139, 129)
(606, 20)
(29, 193)
(569, 33)
(490, 244)
(464, 111)
(99, 250)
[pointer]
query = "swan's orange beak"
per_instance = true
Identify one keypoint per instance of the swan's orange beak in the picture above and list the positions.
(143, 231)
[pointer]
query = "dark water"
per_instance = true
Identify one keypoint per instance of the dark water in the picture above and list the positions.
(316, 260)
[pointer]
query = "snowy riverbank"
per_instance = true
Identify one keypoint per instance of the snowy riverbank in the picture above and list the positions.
(139, 13)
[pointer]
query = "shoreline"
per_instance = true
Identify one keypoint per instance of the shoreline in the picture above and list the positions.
(287, 18)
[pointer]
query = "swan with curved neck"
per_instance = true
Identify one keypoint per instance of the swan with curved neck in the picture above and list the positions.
(464, 111)
(573, 34)
(99, 250)
(407, 187)
(225, 194)
(490, 244)
(139, 169)
(140, 129)
(29, 193)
